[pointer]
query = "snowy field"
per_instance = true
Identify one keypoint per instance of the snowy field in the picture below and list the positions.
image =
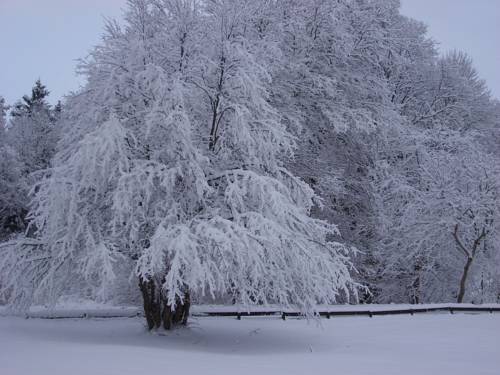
(430, 344)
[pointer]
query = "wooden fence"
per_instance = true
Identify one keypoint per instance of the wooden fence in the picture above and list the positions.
(333, 313)
(326, 313)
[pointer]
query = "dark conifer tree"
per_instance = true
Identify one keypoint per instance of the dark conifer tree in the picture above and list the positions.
(36, 102)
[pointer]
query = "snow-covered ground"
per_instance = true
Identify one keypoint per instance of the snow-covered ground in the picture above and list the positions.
(430, 344)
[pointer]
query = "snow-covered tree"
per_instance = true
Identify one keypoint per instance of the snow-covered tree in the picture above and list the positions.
(175, 170)
(433, 169)
(32, 131)
(236, 150)
(27, 146)
(34, 102)
(441, 225)
(12, 185)
(13, 191)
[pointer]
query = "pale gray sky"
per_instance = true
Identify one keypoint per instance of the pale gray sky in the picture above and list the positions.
(43, 38)
(472, 26)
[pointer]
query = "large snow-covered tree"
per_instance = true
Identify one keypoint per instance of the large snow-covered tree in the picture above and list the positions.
(174, 169)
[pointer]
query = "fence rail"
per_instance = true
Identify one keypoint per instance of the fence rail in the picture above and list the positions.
(225, 312)
(370, 313)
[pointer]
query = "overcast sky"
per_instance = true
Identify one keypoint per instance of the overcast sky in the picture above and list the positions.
(472, 26)
(44, 38)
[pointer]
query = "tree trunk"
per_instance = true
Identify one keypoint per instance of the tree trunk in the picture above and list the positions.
(463, 280)
(415, 298)
(156, 310)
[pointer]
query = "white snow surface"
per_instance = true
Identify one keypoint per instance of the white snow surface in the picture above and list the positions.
(434, 343)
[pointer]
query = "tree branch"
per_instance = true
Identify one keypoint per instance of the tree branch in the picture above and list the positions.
(459, 243)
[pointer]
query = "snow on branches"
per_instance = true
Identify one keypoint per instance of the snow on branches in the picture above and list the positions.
(179, 173)
(239, 151)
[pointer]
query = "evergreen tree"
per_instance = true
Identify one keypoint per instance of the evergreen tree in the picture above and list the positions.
(35, 103)
(28, 147)
(33, 132)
